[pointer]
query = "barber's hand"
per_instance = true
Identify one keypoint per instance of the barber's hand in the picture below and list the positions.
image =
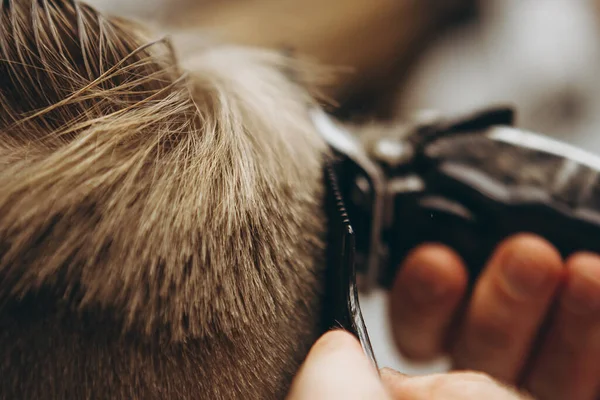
(336, 368)
(532, 319)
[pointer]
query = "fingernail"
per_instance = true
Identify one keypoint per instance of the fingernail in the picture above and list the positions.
(525, 278)
(336, 340)
(387, 371)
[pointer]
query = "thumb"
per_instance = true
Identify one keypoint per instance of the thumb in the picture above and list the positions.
(337, 368)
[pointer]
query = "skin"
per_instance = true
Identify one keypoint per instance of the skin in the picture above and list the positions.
(336, 368)
(532, 319)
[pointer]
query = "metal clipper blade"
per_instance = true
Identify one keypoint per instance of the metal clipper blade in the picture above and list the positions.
(341, 305)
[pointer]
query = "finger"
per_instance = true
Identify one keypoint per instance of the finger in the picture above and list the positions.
(508, 305)
(424, 298)
(567, 365)
(337, 367)
(450, 386)
(392, 380)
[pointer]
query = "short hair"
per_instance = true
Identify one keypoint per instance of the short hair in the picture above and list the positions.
(161, 224)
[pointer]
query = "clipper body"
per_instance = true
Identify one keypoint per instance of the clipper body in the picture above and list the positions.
(467, 182)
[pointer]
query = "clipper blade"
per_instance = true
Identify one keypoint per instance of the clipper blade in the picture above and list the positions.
(341, 305)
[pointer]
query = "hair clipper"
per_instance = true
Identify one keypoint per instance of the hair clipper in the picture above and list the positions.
(468, 182)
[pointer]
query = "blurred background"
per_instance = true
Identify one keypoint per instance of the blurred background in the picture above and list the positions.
(395, 57)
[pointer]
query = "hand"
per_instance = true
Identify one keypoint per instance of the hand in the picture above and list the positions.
(532, 318)
(336, 368)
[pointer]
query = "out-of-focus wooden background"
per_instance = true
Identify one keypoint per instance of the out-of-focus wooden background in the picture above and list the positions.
(373, 43)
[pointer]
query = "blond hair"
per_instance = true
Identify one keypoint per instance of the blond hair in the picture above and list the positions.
(161, 225)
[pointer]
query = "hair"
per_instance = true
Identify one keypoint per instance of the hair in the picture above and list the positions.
(161, 220)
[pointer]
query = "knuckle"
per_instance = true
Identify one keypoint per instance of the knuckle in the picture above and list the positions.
(455, 383)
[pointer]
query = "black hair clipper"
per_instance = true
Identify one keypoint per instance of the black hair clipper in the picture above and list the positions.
(467, 182)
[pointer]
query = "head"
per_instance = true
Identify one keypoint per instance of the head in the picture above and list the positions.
(161, 222)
